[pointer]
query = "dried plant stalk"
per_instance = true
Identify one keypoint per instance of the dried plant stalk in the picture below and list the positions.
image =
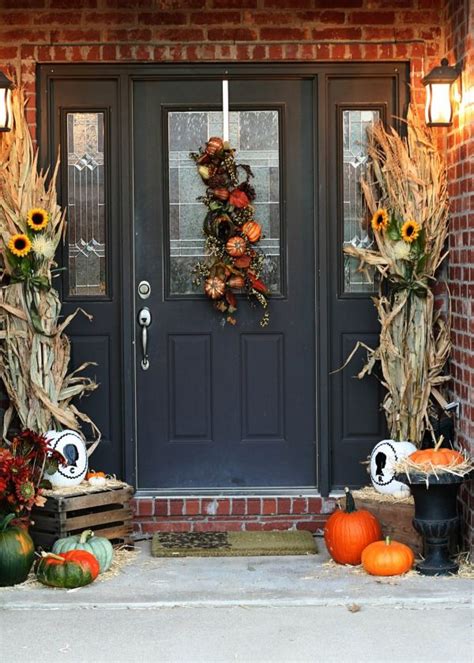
(407, 178)
(34, 350)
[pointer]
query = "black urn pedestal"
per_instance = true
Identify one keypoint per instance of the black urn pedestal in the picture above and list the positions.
(436, 519)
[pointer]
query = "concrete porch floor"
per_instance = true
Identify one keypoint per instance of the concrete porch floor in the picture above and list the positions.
(246, 608)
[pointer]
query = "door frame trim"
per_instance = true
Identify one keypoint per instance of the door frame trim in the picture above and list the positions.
(125, 74)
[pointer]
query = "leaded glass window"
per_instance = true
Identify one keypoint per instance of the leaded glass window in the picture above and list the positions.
(355, 220)
(86, 198)
(255, 136)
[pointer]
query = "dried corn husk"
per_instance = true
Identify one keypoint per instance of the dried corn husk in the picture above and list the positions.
(407, 177)
(34, 350)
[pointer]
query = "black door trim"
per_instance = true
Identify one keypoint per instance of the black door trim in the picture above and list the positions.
(125, 74)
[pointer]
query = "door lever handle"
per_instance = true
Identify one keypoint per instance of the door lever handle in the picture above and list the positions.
(144, 320)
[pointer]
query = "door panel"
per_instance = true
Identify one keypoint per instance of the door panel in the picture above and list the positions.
(85, 128)
(356, 419)
(224, 406)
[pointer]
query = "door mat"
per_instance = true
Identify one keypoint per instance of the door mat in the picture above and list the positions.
(232, 544)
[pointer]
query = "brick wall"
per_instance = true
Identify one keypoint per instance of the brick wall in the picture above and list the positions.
(33, 31)
(459, 21)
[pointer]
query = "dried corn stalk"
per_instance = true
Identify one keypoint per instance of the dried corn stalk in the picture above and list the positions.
(406, 178)
(34, 350)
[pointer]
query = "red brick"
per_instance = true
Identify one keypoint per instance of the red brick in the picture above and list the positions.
(254, 506)
(299, 505)
(16, 18)
(337, 33)
(231, 34)
(314, 504)
(215, 18)
(282, 34)
(150, 527)
(192, 507)
(288, 4)
(137, 34)
(23, 4)
(310, 525)
(162, 18)
(176, 507)
(269, 506)
(178, 34)
(217, 526)
(223, 507)
(145, 507)
(234, 4)
(69, 36)
(238, 506)
(371, 17)
(8, 52)
(161, 506)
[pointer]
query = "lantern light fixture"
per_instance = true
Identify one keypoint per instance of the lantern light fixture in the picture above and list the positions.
(439, 95)
(6, 114)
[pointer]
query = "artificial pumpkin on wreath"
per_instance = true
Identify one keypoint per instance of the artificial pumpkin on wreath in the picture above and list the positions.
(236, 246)
(72, 569)
(17, 551)
(252, 230)
(99, 546)
(387, 558)
(348, 532)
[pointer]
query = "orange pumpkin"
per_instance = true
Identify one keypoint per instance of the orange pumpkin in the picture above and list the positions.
(436, 456)
(387, 558)
(95, 475)
(348, 532)
(221, 194)
(214, 287)
(214, 145)
(252, 230)
(236, 246)
(243, 262)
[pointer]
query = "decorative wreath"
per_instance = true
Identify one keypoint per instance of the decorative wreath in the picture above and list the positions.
(234, 260)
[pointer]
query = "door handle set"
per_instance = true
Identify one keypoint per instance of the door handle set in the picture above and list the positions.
(144, 320)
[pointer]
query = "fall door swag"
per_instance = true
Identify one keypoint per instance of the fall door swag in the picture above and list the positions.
(234, 259)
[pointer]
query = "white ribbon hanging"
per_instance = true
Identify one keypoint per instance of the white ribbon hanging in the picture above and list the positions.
(225, 110)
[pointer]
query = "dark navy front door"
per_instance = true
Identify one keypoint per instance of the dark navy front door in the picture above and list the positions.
(224, 406)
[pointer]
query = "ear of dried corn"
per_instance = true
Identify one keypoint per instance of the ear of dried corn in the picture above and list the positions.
(407, 178)
(34, 350)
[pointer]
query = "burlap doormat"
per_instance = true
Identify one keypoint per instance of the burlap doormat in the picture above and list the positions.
(232, 544)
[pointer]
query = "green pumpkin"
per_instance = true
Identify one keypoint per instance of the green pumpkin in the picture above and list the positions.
(99, 546)
(17, 551)
(72, 569)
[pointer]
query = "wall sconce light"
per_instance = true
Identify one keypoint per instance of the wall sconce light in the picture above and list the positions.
(439, 95)
(6, 115)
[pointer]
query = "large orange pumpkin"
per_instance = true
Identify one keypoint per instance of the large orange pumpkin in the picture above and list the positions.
(348, 532)
(436, 456)
(387, 558)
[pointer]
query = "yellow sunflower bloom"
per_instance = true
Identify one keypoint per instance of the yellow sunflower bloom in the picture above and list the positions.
(19, 245)
(380, 220)
(37, 218)
(410, 230)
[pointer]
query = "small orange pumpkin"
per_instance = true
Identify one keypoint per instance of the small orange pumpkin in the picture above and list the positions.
(252, 230)
(243, 262)
(214, 287)
(214, 145)
(387, 558)
(348, 532)
(236, 246)
(95, 475)
(436, 456)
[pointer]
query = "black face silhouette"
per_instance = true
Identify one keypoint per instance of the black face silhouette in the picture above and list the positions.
(71, 454)
(380, 461)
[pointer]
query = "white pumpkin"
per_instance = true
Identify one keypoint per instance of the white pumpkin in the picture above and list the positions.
(382, 461)
(70, 444)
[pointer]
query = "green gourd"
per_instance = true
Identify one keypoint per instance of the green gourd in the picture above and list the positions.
(17, 551)
(99, 546)
(72, 569)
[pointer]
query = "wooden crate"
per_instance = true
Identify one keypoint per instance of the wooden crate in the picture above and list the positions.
(395, 520)
(107, 512)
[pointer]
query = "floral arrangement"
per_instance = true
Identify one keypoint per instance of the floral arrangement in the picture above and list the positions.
(232, 235)
(22, 466)
(405, 189)
(34, 351)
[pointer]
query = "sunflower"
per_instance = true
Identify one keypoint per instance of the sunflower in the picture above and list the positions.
(19, 245)
(380, 219)
(410, 230)
(37, 218)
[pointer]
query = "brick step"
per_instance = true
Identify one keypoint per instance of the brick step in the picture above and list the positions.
(207, 514)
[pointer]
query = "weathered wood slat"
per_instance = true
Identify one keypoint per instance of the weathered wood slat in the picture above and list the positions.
(107, 512)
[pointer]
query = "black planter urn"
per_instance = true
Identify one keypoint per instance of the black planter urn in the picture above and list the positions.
(436, 519)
